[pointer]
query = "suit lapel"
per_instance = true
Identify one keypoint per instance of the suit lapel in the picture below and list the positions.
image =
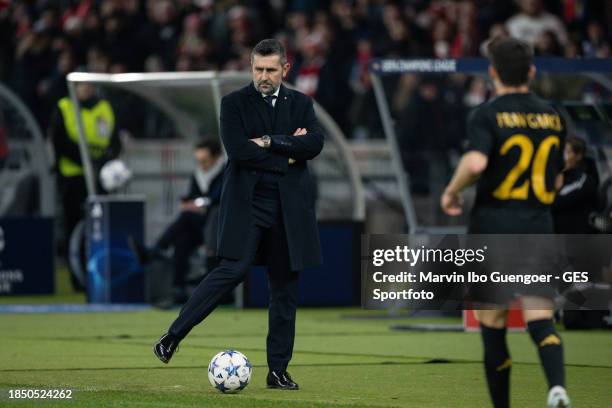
(262, 109)
(282, 115)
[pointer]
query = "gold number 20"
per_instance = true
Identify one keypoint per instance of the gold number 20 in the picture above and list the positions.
(507, 189)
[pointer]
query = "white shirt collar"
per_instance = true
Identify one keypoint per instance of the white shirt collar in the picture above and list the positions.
(275, 96)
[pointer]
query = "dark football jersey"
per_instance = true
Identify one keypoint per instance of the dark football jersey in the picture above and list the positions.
(523, 137)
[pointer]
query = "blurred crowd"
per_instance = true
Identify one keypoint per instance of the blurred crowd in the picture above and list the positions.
(329, 43)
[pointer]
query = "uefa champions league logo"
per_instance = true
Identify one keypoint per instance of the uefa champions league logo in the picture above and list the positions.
(96, 211)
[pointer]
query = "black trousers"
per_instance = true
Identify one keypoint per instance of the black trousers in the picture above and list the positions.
(283, 284)
(73, 192)
(185, 234)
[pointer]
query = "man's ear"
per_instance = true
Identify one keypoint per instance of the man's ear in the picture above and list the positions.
(286, 69)
(492, 72)
(532, 72)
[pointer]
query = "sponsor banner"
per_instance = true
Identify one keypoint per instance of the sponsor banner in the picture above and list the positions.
(26, 256)
(113, 273)
(384, 66)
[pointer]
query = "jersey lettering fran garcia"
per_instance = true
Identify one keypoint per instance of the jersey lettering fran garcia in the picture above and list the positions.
(523, 137)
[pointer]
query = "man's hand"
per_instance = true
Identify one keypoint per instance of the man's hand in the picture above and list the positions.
(258, 141)
(298, 132)
(191, 206)
(451, 203)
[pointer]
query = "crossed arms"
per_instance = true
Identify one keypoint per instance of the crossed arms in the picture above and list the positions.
(283, 150)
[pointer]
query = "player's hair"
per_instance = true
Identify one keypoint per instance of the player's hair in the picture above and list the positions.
(577, 145)
(270, 46)
(213, 145)
(511, 58)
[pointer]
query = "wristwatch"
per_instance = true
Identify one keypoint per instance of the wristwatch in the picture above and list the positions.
(267, 141)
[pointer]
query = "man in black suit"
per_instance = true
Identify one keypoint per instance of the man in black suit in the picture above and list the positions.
(267, 205)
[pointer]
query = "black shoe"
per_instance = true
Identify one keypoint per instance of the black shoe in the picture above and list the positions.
(141, 253)
(281, 380)
(165, 347)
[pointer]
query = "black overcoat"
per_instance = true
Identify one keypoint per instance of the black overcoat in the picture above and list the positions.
(244, 116)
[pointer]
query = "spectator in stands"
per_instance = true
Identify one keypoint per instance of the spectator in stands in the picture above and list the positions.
(424, 137)
(198, 213)
(547, 45)
(533, 20)
(192, 45)
(34, 61)
(578, 196)
(7, 45)
(465, 42)
(167, 35)
(596, 45)
(102, 140)
(241, 34)
(160, 32)
(396, 39)
(442, 35)
(311, 62)
(153, 63)
(321, 69)
(363, 118)
(572, 49)
(97, 60)
(496, 30)
(54, 87)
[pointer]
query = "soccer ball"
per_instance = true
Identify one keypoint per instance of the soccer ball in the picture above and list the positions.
(114, 174)
(229, 371)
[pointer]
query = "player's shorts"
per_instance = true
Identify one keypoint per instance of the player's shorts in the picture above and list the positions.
(485, 220)
(526, 265)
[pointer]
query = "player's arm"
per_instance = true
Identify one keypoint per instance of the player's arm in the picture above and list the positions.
(470, 167)
(472, 164)
(559, 182)
(238, 147)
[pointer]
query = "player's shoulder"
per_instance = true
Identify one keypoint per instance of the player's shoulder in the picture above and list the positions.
(543, 104)
(480, 112)
(521, 102)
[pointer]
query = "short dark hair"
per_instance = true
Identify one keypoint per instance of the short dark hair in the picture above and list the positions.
(511, 58)
(270, 46)
(213, 146)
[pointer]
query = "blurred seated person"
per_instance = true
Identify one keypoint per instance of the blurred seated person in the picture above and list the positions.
(578, 195)
(186, 232)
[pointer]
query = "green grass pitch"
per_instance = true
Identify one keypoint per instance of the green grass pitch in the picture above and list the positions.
(106, 359)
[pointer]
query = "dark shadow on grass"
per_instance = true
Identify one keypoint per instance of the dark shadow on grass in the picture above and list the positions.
(385, 363)
(225, 335)
(370, 364)
(421, 360)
